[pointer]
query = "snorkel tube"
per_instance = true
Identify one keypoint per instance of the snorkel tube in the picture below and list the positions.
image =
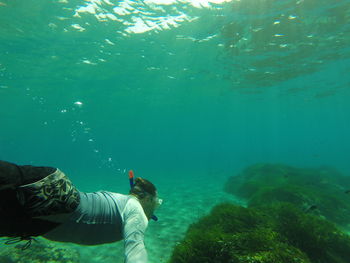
(131, 181)
(131, 178)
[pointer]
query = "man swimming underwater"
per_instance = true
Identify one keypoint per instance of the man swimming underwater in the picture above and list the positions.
(42, 201)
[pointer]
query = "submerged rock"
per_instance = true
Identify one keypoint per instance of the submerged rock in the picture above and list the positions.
(39, 252)
(322, 189)
(275, 234)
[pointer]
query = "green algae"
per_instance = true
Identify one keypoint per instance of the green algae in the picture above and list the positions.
(39, 252)
(323, 188)
(273, 234)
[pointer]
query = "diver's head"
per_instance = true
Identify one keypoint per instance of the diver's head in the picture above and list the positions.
(147, 194)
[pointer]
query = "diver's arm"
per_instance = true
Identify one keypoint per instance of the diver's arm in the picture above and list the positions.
(135, 224)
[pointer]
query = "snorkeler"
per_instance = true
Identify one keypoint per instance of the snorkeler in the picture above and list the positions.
(42, 201)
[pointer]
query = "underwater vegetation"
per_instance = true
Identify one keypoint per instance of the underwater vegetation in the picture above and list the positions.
(321, 191)
(271, 234)
(39, 252)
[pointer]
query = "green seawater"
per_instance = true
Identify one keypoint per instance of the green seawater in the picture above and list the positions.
(185, 93)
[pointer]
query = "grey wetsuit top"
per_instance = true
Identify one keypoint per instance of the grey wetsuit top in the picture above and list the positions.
(105, 217)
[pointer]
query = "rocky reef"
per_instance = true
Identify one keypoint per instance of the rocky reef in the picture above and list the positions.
(273, 234)
(294, 215)
(321, 191)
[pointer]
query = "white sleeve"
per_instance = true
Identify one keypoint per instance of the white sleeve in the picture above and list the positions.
(134, 226)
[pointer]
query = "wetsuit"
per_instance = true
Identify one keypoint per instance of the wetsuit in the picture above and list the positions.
(105, 217)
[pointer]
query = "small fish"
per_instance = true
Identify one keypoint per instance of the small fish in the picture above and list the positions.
(310, 208)
(347, 191)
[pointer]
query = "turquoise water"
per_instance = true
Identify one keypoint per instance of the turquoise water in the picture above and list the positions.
(178, 91)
